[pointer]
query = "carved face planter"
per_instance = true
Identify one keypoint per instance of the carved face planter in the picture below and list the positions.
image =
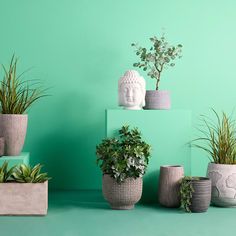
(132, 90)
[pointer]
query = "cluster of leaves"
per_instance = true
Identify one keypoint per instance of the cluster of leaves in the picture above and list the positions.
(16, 95)
(218, 139)
(186, 192)
(125, 156)
(161, 55)
(22, 174)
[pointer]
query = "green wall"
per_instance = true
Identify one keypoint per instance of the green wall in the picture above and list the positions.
(80, 48)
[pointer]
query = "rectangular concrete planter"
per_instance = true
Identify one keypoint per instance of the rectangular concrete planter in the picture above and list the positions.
(24, 198)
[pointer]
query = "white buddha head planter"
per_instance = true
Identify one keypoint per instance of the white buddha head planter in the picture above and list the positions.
(132, 90)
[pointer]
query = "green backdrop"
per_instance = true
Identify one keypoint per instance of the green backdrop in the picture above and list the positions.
(80, 48)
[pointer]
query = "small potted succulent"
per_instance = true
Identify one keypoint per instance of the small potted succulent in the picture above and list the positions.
(123, 161)
(218, 140)
(160, 56)
(16, 97)
(23, 190)
(195, 193)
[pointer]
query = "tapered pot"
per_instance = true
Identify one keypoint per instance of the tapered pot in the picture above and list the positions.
(201, 197)
(13, 128)
(169, 184)
(157, 100)
(122, 196)
(24, 198)
(223, 179)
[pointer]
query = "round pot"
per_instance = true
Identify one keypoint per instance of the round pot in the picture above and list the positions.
(13, 128)
(122, 196)
(223, 179)
(169, 184)
(2, 146)
(201, 197)
(157, 100)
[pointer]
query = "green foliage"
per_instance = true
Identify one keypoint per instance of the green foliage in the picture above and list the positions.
(186, 192)
(161, 55)
(16, 96)
(125, 156)
(26, 174)
(218, 139)
(5, 174)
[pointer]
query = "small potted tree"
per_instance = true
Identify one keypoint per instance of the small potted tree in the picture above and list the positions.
(160, 56)
(218, 140)
(123, 161)
(23, 190)
(195, 194)
(16, 96)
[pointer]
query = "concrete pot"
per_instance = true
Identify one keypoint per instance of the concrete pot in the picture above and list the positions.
(24, 198)
(122, 196)
(201, 197)
(223, 179)
(157, 100)
(2, 146)
(13, 128)
(169, 184)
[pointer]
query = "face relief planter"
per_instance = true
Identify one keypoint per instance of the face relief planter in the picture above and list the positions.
(201, 197)
(223, 179)
(122, 196)
(13, 128)
(24, 198)
(157, 100)
(169, 184)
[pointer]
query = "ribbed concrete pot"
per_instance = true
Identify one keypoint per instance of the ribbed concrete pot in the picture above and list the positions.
(122, 196)
(2, 146)
(169, 184)
(13, 128)
(157, 100)
(201, 197)
(24, 198)
(223, 179)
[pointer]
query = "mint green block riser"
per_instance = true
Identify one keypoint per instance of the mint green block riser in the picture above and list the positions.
(168, 132)
(16, 160)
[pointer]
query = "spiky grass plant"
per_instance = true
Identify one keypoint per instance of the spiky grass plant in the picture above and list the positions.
(219, 139)
(5, 172)
(26, 174)
(16, 95)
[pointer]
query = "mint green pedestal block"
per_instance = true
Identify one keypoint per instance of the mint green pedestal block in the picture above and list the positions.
(16, 160)
(167, 131)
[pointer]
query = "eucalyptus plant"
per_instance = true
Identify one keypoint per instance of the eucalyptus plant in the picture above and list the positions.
(124, 156)
(17, 95)
(26, 174)
(5, 172)
(186, 192)
(161, 55)
(218, 138)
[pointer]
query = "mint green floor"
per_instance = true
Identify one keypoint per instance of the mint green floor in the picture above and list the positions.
(85, 213)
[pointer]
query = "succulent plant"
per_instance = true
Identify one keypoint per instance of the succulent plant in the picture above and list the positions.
(26, 174)
(5, 174)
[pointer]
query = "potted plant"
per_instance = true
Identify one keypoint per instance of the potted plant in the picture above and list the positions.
(16, 96)
(23, 190)
(195, 193)
(123, 161)
(160, 56)
(219, 141)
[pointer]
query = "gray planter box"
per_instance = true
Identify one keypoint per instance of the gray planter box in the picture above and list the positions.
(23, 198)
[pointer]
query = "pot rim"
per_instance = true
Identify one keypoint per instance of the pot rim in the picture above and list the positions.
(153, 90)
(13, 114)
(172, 166)
(103, 174)
(217, 164)
(201, 179)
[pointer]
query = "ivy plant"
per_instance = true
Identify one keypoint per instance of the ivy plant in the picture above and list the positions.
(124, 156)
(186, 192)
(160, 55)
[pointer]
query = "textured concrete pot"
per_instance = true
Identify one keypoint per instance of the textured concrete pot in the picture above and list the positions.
(23, 198)
(201, 197)
(223, 179)
(168, 190)
(122, 196)
(2, 146)
(157, 100)
(13, 128)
